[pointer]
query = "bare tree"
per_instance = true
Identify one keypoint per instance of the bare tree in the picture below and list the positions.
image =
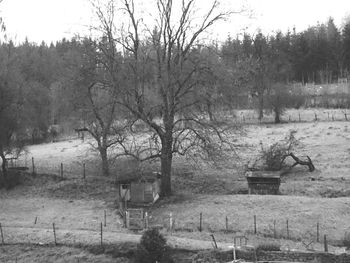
(162, 78)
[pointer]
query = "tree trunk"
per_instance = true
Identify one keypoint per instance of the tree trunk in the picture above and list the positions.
(166, 164)
(105, 165)
(261, 106)
(277, 116)
(4, 168)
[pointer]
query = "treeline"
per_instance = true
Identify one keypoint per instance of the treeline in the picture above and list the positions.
(320, 54)
(45, 79)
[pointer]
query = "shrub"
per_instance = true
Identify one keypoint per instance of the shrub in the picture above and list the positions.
(273, 156)
(152, 247)
(12, 180)
(269, 247)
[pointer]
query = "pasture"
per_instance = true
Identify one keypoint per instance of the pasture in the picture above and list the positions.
(77, 205)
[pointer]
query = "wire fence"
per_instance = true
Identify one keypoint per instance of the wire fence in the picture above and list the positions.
(294, 116)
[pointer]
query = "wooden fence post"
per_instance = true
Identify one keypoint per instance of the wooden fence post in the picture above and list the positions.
(33, 166)
(146, 220)
(318, 232)
(101, 235)
(2, 235)
(254, 224)
(274, 228)
(105, 218)
(200, 222)
(346, 116)
(171, 222)
(325, 244)
(287, 230)
(61, 171)
(36, 219)
(226, 223)
(84, 172)
(215, 244)
(54, 233)
(299, 117)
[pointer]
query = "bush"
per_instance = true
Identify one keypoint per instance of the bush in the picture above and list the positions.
(273, 157)
(152, 248)
(269, 247)
(12, 180)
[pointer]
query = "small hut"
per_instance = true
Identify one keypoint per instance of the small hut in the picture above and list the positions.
(138, 187)
(263, 182)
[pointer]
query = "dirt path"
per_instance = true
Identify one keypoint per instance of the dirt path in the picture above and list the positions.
(37, 235)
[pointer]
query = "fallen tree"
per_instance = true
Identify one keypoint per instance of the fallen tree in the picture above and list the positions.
(300, 162)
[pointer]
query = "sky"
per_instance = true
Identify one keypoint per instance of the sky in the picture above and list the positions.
(51, 20)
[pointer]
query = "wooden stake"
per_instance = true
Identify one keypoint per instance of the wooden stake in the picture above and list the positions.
(146, 220)
(33, 166)
(171, 221)
(62, 170)
(274, 228)
(287, 229)
(325, 244)
(36, 219)
(215, 244)
(254, 224)
(105, 217)
(2, 235)
(318, 232)
(84, 173)
(226, 223)
(299, 117)
(200, 222)
(101, 235)
(54, 233)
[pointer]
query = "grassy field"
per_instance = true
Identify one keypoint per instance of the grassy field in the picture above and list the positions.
(77, 206)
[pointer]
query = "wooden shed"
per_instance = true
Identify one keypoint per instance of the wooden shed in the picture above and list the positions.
(263, 182)
(139, 187)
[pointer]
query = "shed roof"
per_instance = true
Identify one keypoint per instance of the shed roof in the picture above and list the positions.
(264, 174)
(136, 176)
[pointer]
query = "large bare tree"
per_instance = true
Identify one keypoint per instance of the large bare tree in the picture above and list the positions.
(163, 68)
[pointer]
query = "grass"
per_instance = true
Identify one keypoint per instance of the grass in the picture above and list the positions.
(216, 193)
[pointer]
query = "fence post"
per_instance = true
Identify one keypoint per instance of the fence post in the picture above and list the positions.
(105, 217)
(315, 116)
(84, 173)
(318, 232)
(61, 171)
(54, 233)
(215, 244)
(274, 228)
(325, 244)
(33, 166)
(299, 117)
(346, 116)
(36, 219)
(171, 222)
(2, 235)
(146, 220)
(101, 235)
(226, 223)
(287, 230)
(254, 224)
(200, 222)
